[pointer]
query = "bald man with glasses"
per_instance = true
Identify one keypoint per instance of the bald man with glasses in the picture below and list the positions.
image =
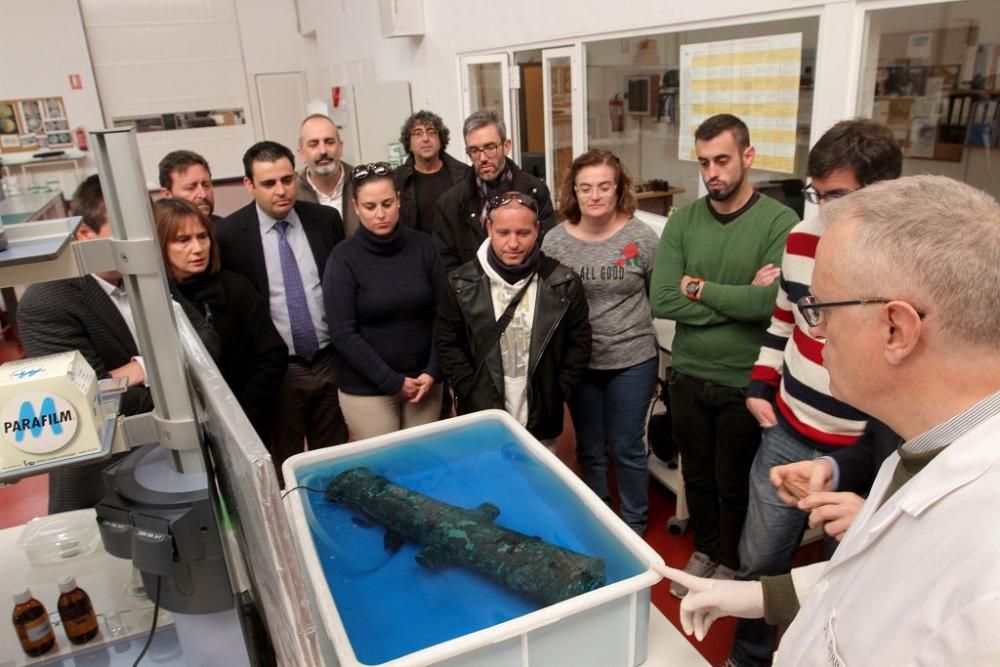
(460, 215)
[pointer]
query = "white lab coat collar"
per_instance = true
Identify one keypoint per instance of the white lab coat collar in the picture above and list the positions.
(965, 460)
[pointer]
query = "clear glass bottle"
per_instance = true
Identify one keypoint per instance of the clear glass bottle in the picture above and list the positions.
(31, 622)
(77, 613)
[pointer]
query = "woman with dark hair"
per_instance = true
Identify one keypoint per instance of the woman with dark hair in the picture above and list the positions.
(381, 288)
(254, 357)
(613, 253)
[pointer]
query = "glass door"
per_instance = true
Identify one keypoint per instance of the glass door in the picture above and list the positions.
(563, 113)
(486, 85)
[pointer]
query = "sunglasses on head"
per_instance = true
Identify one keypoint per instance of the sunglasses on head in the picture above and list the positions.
(370, 170)
(506, 198)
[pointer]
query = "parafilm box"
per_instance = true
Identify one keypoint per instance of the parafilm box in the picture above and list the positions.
(50, 411)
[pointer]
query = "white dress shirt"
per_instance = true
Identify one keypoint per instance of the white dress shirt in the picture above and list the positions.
(336, 200)
(311, 280)
(119, 297)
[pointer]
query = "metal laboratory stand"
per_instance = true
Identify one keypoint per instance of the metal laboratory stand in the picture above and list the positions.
(162, 513)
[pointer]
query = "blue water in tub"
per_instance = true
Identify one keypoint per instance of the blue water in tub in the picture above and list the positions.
(391, 606)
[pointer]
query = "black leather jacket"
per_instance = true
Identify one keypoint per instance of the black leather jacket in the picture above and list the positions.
(458, 229)
(560, 343)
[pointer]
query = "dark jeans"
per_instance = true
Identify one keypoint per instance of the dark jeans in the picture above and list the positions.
(771, 535)
(609, 413)
(307, 409)
(717, 438)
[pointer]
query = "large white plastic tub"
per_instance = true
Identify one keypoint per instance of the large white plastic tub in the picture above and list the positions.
(606, 627)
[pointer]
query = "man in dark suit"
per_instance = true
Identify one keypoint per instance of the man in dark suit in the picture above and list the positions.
(460, 215)
(91, 314)
(281, 246)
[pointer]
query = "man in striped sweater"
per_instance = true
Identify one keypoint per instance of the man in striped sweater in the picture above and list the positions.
(789, 392)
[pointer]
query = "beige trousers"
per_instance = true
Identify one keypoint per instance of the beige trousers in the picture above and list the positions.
(368, 416)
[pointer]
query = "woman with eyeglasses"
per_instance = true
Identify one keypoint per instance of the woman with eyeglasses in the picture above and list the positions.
(381, 289)
(254, 357)
(613, 252)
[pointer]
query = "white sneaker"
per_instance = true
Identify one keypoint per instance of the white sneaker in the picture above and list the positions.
(699, 565)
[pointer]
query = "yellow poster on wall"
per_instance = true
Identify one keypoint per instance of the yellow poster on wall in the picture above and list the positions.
(756, 79)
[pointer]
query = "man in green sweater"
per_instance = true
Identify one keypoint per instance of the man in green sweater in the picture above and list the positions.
(715, 276)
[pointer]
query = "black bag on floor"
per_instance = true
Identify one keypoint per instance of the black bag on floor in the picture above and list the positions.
(659, 431)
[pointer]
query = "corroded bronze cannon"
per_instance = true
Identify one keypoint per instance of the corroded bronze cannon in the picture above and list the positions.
(452, 535)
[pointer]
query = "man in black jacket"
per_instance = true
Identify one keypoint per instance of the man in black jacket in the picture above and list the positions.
(428, 173)
(281, 245)
(513, 327)
(460, 219)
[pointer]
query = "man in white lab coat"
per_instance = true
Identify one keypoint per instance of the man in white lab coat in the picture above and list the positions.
(906, 291)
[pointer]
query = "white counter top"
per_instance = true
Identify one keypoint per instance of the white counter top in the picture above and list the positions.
(106, 580)
(28, 157)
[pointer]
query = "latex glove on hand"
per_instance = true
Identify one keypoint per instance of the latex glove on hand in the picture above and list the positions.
(709, 599)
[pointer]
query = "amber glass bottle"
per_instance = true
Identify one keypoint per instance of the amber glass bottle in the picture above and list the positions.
(77, 614)
(32, 623)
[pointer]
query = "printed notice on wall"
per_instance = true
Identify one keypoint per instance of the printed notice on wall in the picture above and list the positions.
(756, 79)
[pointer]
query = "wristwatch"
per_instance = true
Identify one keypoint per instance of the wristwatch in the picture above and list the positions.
(693, 288)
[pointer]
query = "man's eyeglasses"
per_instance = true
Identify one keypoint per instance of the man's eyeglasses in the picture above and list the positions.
(814, 196)
(602, 190)
(812, 310)
(489, 150)
(370, 170)
(421, 132)
(508, 197)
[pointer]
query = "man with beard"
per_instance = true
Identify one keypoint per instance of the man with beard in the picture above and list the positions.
(912, 339)
(715, 276)
(323, 180)
(185, 175)
(460, 217)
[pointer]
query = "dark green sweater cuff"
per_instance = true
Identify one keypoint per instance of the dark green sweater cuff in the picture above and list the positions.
(780, 602)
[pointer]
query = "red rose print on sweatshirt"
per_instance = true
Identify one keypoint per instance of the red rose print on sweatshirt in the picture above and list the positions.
(630, 255)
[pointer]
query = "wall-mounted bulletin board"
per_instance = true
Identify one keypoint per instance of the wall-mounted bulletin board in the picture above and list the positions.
(31, 124)
(757, 79)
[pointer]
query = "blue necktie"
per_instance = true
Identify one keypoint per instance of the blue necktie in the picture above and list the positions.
(303, 333)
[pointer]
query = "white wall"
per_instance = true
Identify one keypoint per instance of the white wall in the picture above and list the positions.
(41, 43)
(348, 34)
(352, 49)
(271, 43)
(340, 43)
(153, 57)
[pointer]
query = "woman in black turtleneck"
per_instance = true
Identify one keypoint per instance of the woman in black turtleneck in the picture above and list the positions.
(381, 289)
(254, 357)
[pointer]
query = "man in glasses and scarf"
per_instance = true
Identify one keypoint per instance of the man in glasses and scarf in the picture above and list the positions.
(460, 217)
